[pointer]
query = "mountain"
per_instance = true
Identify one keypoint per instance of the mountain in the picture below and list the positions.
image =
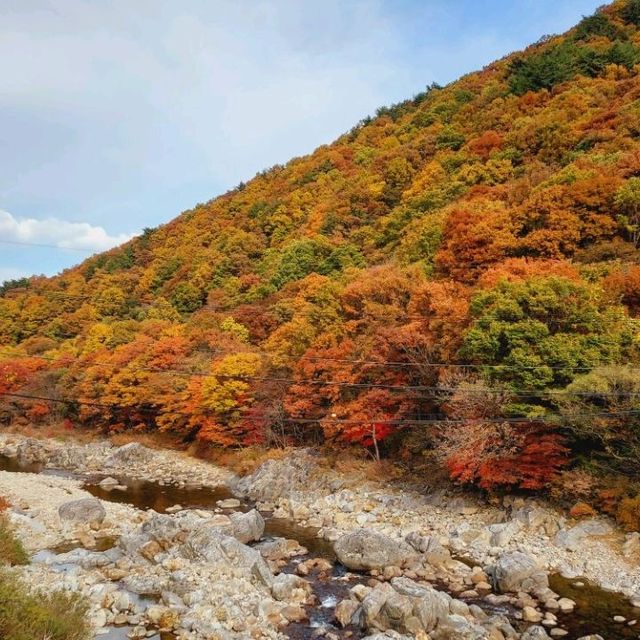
(457, 277)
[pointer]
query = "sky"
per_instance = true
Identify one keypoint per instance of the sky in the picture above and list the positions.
(117, 115)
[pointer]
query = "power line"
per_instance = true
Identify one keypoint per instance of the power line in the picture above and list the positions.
(435, 390)
(369, 420)
(47, 246)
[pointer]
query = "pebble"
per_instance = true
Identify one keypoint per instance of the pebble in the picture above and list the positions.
(529, 614)
(619, 619)
(229, 503)
(566, 605)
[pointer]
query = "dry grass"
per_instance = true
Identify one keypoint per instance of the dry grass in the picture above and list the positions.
(241, 461)
(154, 440)
(11, 550)
(25, 615)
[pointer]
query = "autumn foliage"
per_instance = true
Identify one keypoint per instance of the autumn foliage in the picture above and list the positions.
(477, 241)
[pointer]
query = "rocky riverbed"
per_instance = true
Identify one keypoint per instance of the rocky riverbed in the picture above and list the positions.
(192, 555)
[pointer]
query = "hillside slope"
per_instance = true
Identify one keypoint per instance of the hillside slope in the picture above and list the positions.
(458, 276)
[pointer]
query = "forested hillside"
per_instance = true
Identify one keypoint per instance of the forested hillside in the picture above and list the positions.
(456, 278)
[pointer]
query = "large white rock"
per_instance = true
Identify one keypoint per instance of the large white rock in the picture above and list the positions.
(85, 510)
(364, 550)
(518, 571)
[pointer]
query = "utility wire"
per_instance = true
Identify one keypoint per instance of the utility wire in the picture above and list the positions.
(47, 246)
(302, 420)
(522, 393)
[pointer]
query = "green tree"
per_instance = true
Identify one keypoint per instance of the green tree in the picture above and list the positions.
(186, 298)
(602, 411)
(544, 330)
(628, 203)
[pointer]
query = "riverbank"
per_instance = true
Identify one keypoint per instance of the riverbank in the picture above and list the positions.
(205, 569)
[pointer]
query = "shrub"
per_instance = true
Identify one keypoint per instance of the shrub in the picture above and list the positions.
(601, 410)
(38, 616)
(26, 615)
(630, 12)
(628, 514)
(11, 550)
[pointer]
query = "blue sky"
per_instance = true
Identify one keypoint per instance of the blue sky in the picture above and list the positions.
(116, 116)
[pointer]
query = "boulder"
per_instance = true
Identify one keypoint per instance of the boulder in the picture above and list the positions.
(108, 483)
(68, 457)
(572, 538)
(164, 529)
(290, 588)
(279, 550)
(209, 544)
(247, 527)
(535, 518)
(501, 534)
(30, 451)
(86, 511)
(406, 607)
(130, 453)
(430, 546)
(228, 503)
(430, 606)
(277, 479)
(364, 550)
(345, 611)
(518, 571)
(456, 627)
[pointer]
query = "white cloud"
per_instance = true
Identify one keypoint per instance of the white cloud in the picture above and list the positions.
(58, 233)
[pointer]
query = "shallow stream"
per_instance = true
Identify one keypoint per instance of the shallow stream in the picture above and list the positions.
(593, 614)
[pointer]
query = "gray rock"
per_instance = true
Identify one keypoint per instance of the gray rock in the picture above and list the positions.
(131, 453)
(571, 539)
(371, 608)
(430, 606)
(518, 571)
(31, 450)
(455, 627)
(164, 529)
(435, 553)
(229, 503)
(345, 611)
(285, 586)
(535, 518)
(108, 483)
(364, 550)
(535, 632)
(69, 457)
(207, 543)
(247, 527)
(501, 534)
(85, 510)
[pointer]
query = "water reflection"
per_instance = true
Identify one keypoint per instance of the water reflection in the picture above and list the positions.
(594, 610)
(151, 495)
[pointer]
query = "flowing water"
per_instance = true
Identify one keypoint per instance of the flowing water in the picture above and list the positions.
(593, 614)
